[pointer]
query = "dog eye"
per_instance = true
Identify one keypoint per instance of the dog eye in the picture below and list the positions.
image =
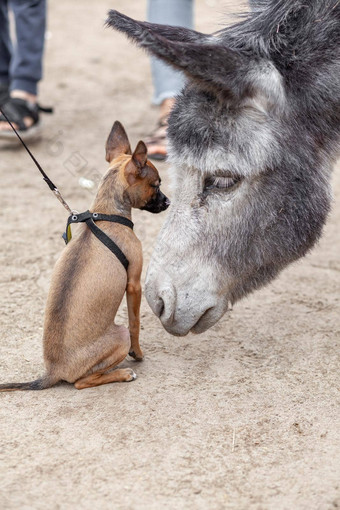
(215, 182)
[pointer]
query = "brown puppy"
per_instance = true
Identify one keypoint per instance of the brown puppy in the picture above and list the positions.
(81, 341)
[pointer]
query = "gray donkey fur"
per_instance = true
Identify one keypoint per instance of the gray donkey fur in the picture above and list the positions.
(253, 137)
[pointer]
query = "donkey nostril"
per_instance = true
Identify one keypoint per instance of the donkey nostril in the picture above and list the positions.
(160, 307)
(166, 302)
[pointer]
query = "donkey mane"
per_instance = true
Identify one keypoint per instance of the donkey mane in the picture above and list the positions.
(297, 31)
(303, 41)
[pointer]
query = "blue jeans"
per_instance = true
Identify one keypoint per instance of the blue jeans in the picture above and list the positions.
(166, 81)
(21, 66)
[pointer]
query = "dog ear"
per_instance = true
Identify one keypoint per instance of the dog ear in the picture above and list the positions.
(134, 168)
(205, 59)
(139, 157)
(117, 142)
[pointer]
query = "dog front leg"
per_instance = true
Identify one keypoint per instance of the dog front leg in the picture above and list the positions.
(133, 297)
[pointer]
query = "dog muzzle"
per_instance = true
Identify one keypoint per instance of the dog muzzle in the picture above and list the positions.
(158, 204)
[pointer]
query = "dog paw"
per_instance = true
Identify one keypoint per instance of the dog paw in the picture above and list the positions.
(130, 375)
(138, 357)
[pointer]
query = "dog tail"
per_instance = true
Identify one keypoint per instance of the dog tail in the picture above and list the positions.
(46, 381)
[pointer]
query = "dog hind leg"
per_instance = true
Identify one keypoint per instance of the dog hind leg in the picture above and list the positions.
(98, 378)
(102, 373)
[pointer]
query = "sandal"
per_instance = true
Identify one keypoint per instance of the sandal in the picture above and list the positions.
(156, 142)
(16, 110)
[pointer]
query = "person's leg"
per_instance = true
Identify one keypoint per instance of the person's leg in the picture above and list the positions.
(26, 64)
(167, 82)
(30, 23)
(5, 48)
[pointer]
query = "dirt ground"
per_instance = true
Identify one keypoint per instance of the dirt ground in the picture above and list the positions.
(245, 416)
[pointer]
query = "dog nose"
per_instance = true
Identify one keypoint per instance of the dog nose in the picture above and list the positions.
(164, 200)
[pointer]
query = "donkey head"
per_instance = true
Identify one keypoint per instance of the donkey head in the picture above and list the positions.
(251, 139)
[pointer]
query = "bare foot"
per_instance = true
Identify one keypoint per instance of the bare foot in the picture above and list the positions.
(156, 142)
(166, 107)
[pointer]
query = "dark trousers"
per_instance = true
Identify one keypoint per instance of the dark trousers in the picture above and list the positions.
(21, 63)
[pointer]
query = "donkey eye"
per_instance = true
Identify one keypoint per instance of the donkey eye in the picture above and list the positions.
(220, 182)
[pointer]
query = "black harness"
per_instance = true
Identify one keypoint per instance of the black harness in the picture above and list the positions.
(87, 217)
(90, 218)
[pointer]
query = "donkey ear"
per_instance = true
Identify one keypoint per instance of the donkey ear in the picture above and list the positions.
(138, 29)
(117, 142)
(207, 61)
(210, 63)
(139, 157)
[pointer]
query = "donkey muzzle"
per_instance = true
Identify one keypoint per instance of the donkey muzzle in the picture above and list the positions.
(180, 313)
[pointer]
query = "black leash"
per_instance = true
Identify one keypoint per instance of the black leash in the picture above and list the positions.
(87, 217)
(48, 181)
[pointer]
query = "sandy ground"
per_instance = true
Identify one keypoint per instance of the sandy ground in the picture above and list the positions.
(245, 416)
